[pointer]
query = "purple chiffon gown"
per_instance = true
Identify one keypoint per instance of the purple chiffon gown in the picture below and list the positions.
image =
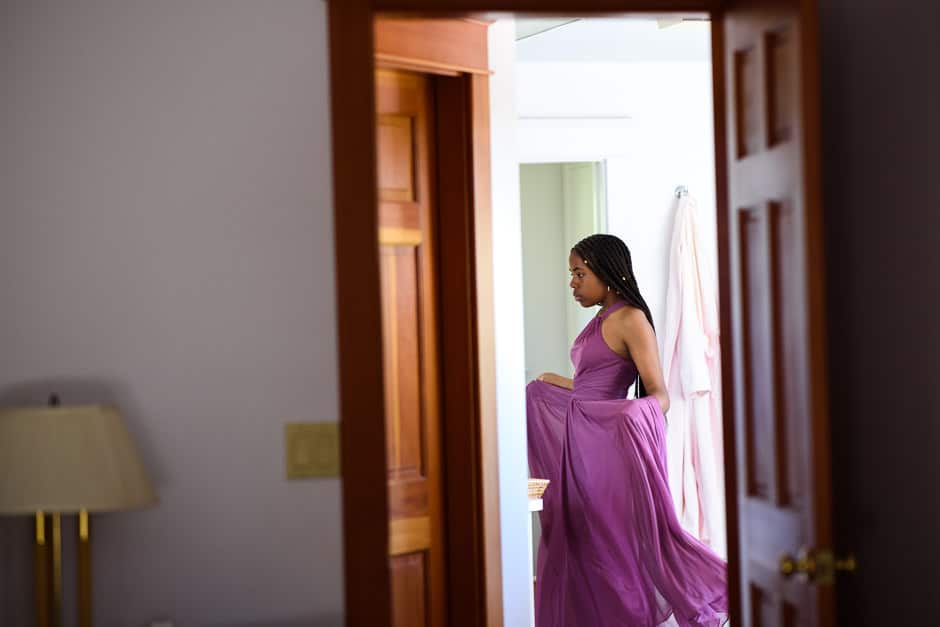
(612, 551)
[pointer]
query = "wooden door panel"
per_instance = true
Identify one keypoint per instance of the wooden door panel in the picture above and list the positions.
(769, 611)
(409, 325)
(746, 80)
(396, 168)
(408, 499)
(400, 325)
(789, 327)
(758, 355)
(762, 607)
(771, 327)
(402, 221)
(781, 71)
(409, 596)
(361, 40)
(777, 307)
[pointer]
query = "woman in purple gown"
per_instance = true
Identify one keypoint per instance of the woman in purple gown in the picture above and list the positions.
(612, 552)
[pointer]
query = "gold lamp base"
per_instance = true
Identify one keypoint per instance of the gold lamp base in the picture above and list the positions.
(48, 570)
(41, 562)
(84, 571)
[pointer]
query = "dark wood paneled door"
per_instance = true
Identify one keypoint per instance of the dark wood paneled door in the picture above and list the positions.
(410, 332)
(778, 313)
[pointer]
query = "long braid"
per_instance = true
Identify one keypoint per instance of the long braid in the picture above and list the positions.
(609, 258)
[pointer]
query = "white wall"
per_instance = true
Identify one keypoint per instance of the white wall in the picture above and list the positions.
(510, 345)
(667, 141)
(166, 244)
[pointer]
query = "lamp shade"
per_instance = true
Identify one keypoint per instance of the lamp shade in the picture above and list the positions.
(69, 458)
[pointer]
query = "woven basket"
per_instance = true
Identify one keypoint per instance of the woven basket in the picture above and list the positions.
(537, 488)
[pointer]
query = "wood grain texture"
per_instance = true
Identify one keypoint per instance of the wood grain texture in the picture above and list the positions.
(462, 436)
(486, 344)
(725, 270)
(409, 591)
(398, 226)
(437, 44)
(780, 372)
(359, 330)
(411, 349)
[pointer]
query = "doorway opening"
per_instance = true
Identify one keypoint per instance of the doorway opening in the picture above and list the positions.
(614, 134)
(769, 219)
(585, 135)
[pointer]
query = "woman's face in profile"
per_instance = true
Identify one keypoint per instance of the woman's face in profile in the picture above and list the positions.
(587, 288)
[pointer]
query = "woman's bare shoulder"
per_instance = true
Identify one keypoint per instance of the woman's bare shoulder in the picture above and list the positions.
(628, 314)
(631, 320)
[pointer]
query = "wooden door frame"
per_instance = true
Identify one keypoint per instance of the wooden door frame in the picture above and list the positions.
(472, 496)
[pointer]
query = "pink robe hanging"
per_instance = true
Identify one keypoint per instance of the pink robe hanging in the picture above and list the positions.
(692, 371)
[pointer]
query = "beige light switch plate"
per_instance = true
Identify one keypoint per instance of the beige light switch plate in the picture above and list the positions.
(312, 449)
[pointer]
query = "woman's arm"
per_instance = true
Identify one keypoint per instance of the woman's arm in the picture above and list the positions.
(557, 380)
(641, 342)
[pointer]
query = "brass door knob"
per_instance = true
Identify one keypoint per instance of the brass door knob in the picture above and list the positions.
(816, 566)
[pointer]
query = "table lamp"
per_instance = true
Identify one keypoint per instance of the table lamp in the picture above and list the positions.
(67, 460)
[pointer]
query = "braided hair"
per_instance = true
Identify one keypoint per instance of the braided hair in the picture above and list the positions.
(609, 258)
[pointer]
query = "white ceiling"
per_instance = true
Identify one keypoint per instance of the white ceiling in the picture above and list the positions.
(611, 40)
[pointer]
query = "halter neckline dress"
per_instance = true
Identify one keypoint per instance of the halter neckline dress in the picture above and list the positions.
(612, 551)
